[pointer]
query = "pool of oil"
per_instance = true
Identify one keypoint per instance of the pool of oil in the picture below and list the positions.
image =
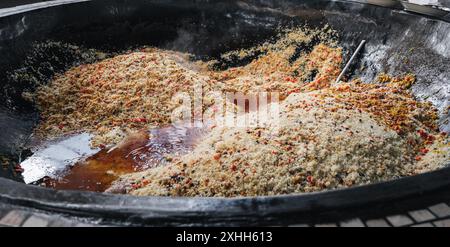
(69, 163)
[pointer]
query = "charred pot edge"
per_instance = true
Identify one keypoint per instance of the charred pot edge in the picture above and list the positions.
(35, 6)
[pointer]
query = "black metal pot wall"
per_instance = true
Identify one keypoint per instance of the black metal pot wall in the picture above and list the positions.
(397, 42)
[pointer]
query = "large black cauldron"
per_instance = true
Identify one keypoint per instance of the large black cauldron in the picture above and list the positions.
(397, 42)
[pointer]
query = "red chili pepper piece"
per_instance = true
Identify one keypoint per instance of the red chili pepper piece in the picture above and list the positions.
(139, 120)
(233, 167)
(18, 168)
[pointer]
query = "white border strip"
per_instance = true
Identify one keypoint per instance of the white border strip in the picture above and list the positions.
(34, 6)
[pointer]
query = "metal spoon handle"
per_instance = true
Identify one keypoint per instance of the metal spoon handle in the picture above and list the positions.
(350, 61)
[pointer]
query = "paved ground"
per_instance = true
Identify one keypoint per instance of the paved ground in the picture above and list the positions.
(12, 216)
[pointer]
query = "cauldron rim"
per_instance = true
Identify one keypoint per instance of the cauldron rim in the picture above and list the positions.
(208, 211)
(217, 211)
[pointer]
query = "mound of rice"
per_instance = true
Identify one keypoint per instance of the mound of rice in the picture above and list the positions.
(311, 147)
(326, 136)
